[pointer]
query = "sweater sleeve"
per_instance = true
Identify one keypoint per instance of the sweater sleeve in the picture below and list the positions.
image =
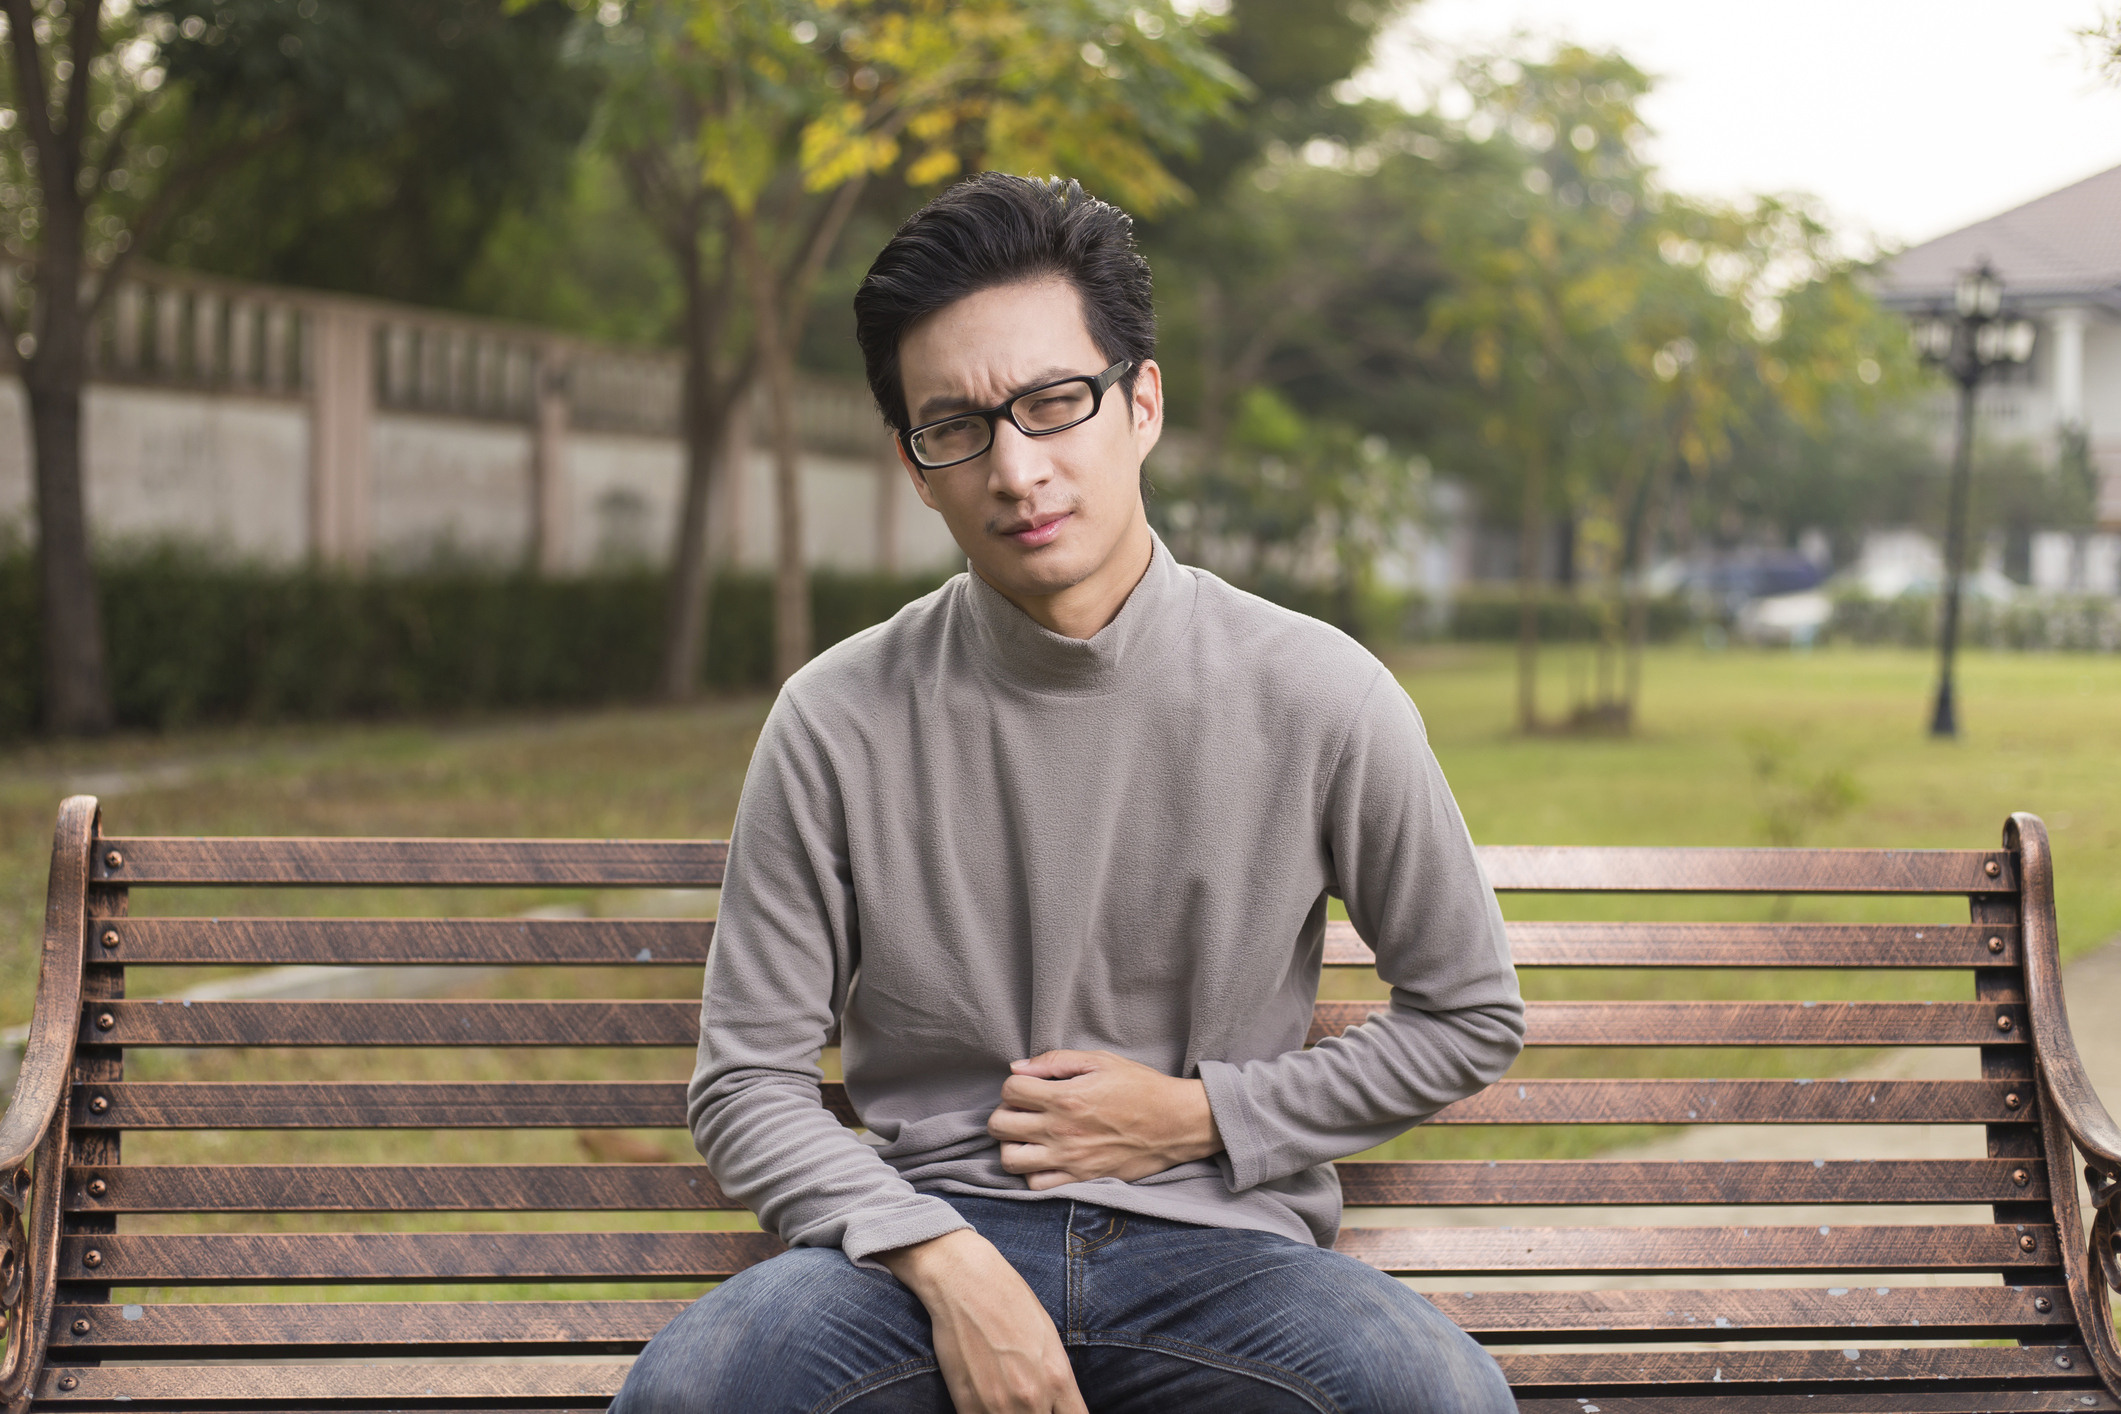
(786, 946)
(1406, 867)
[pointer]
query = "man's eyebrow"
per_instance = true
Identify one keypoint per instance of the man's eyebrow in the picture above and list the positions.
(943, 404)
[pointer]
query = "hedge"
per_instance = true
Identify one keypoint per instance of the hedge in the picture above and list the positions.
(192, 640)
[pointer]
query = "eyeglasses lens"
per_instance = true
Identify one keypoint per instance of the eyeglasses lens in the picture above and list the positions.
(952, 441)
(1051, 409)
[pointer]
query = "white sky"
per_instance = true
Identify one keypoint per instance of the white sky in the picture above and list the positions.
(1909, 118)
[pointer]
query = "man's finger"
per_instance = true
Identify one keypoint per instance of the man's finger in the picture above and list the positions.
(1061, 1065)
(1017, 1124)
(1027, 1158)
(1048, 1178)
(1029, 1093)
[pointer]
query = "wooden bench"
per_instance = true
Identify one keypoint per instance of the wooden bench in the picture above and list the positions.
(1825, 1320)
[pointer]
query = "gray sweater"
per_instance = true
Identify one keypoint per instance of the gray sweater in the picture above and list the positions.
(966, 840)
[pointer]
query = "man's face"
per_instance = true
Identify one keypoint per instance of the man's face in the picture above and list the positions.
(1036, 516)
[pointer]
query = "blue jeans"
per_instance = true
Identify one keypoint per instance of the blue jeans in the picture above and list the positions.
(1158, 1317)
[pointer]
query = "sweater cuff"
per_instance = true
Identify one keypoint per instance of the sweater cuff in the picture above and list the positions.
(930, 1219)
(1243, 1152)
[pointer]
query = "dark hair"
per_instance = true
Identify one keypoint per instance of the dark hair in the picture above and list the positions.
(991, 230)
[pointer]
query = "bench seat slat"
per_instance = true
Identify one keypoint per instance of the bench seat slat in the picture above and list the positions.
(258, 1258)
(197, 1385)
(401, 1188)
(1912, 1247)
(1738, 1023)
(1712, 1371)
(1500, 1317)
(1748, 945)
(453, 1188)
(511, 1327)
(328, 861)
(2040, 1398)
(194, 1386)
(1579, 869)
(405, 942)
(676, 1023)
(1614, 1182)
(145, 1104)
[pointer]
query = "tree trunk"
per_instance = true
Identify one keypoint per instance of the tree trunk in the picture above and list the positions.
(791, 575)
(1531, 533)
(77, 698)
(691, 590)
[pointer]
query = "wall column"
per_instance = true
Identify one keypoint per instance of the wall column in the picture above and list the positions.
(549, 540)
(2066, 326)
(341, 404)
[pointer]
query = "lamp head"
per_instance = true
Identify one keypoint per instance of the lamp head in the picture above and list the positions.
(1979, 294)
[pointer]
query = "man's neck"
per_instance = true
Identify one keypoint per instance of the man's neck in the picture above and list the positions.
(1084, 608)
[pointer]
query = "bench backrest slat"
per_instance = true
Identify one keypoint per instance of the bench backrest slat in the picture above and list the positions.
(1746, 945)
(400, 1188)
(1577, 869)
(405, 942)
(606, 864)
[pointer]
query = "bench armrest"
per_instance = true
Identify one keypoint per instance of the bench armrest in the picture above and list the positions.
(35, 1121)
(2069, 1087)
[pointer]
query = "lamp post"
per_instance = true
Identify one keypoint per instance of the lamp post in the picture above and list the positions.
(1968, 347)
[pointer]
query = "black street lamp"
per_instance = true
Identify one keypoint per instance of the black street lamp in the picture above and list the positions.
(1968, 348)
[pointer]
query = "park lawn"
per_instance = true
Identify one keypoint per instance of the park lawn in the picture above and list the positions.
(2039, 735)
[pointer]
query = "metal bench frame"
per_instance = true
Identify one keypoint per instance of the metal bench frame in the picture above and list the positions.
(63, 1185)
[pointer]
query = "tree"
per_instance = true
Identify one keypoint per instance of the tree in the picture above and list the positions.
(117, 117)
(748, 131)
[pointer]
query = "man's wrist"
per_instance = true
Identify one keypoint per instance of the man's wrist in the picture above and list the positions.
(921, 1266)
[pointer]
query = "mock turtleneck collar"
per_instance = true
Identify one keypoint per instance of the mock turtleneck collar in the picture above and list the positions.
(1024, 651)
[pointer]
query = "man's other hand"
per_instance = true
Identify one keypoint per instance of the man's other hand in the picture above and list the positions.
(1069, 1116)
(994, 1342)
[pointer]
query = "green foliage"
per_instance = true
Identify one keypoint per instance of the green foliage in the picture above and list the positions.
(1796, 795)
(410, 129)
(193, 640)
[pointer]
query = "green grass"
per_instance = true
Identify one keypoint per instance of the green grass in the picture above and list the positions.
(2039, 735)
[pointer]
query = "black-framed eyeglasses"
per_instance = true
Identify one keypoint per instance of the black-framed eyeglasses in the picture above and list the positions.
(1036, 412)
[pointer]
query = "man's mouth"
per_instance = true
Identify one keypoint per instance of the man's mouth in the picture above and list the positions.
(1039, 530)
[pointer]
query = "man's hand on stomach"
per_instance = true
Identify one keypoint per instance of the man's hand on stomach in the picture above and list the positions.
(994, 1343)
(1070, 1116)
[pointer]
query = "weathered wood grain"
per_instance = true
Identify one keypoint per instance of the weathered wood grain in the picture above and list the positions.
(374, 1327)
(1838, 945)
(1580, 869)
(394, 1188)
(173, 860)
(412, 1385)
(221, 1259)
(1714, 1371)
(407, 942)
(1744, 1102)
(1545, 1183)
(1869, 1313)
(392, 1023)
(1912, 1247)
(1737, 1023)
(2034, 1397)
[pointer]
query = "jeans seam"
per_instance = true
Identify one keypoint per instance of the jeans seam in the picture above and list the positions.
(875, 1380)
(1255, 1369)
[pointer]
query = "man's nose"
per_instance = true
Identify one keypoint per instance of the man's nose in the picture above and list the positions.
(1016, 465)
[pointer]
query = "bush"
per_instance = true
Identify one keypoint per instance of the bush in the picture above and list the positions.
(2068, 622)
(1491, 615)
(192, 640)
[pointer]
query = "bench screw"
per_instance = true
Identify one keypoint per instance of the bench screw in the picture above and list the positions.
(2021, 1178)
(1995, 945)
(91, 1258)
(67, 1382)
(110, 937)
(2062, 1362)
(99, 1104)
(117, 861)
(2003, 1023)
(2011, 1101)
(97, 1188)
(1992, 869)
(2043, 1305)
(2025, 1244)
(81, 1328)
(105, 1021)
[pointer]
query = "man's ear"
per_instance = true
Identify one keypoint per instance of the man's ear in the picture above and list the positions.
(920, 482)
(1146, 406)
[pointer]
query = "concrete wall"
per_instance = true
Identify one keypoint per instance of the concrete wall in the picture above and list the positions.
(231, 472)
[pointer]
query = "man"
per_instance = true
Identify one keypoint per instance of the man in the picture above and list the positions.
(1052, 849)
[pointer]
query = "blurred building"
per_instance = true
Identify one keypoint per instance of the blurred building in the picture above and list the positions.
(279, 425)
(2059, 258)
